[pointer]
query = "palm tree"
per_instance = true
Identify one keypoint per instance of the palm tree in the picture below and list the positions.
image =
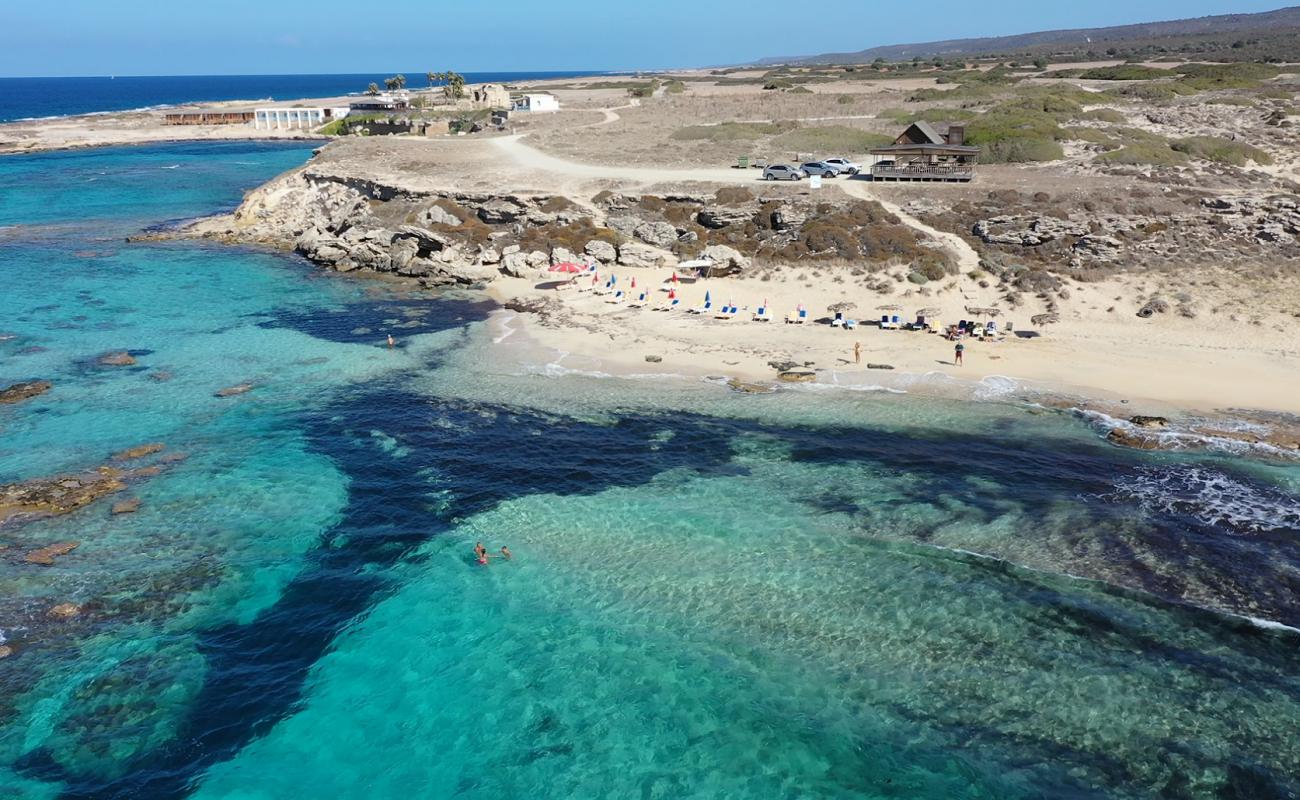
(434, 78)
(455, 88)
(373, 89)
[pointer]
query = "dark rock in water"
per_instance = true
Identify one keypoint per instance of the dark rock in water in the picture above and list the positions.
(58, 495)
(173, 458)
(880, 366)
(6, 651)
(238, 389)
(129, 506)
(530, 305)
(654, 359)
(120, 358)
(1137, 441)
(24, 391)
(783, 366)
(797, 376)
(46, 555)
(1148, 422)
(139, 451)
(64, 611)
(749, 388)
(162, 376)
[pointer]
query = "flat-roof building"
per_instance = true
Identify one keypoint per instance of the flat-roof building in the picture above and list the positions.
(295, 118)
(536, 103)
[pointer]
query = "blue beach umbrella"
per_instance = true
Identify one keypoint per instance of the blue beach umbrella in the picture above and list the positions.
(706, 296)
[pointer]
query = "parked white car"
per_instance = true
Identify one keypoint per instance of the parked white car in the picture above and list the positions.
(844, 165)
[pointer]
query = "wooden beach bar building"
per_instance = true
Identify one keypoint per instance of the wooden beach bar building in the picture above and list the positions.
(926, 152)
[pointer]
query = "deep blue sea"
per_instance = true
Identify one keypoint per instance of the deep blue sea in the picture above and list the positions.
(816, 593)
(23, 98)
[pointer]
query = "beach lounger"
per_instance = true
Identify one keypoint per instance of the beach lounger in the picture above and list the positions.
(799, 318)
(885, 324)
(850, 324)
(761, 315)
(838, 322)
(704, 309)
(638, 302)
(617, 298)
(726, 312)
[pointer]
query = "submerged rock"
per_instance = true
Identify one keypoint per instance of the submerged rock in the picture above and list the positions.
(1133, 439)
(1148, 422)
(65, 611)
(24, 391)
(737, 385)
(129, 506)
(797, 376)
(46, 555)
(139, 451)
(58, 495)
(232, 391)
(119, 358)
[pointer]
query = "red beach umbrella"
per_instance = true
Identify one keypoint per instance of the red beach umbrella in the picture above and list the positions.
(633, 281)
(672, 294)
(567, 266)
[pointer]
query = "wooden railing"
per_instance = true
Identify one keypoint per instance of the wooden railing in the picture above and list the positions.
(938, 172)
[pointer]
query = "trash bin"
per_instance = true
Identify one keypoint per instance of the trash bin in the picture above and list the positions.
(743, 162)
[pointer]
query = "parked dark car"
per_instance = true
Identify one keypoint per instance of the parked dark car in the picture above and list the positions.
(822, 168)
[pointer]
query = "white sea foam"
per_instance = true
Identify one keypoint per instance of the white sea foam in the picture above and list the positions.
(1211, 497)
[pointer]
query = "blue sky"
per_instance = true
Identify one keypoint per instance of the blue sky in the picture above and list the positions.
(133, 37)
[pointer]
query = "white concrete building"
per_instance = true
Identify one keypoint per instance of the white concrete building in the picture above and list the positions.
(537, 103)
(294, 118)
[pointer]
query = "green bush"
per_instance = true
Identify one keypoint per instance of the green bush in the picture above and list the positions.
(675, 87)
(831, 139)
(1104, 115)
(1221, 151)
(1008, 136)
(844, 99)
(1125, 72)
(1201, 77)
(1146, 153)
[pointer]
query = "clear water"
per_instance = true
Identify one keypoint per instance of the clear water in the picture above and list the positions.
(807, 594)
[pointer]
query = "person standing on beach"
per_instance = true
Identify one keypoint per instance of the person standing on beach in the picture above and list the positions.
(857, 352)
(961, 348)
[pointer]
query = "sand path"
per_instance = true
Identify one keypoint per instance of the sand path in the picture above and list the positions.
(528, 157)
(531, 158)
(967, 259)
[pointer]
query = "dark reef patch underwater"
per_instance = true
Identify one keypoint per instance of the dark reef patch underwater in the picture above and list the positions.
(712, 595)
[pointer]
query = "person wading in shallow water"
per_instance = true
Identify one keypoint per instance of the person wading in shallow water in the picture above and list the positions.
(391, 341)
(961, 348)
(481, 552)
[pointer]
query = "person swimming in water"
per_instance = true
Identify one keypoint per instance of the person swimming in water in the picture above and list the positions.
(506, 554)
(480, 552)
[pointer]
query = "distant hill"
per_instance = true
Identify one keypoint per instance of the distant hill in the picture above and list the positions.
(1275, 32)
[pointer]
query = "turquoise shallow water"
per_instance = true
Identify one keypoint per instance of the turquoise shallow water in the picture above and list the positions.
(808, 594)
